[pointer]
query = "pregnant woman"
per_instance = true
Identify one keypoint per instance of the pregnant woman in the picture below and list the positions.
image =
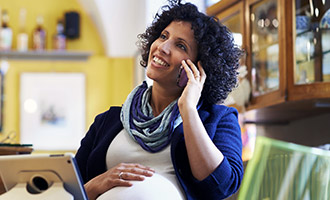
(170, 140)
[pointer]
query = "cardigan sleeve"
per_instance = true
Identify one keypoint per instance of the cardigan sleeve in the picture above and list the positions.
(221, 123)
(86, 147)
(227, 178)
(92, 151)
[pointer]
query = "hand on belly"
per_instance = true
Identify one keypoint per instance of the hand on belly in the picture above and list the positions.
(122, 174)
(155, 187)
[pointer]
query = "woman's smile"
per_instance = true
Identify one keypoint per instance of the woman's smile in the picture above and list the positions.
(159, 62)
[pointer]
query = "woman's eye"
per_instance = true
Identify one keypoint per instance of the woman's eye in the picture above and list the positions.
(162, 36)
(183, 47)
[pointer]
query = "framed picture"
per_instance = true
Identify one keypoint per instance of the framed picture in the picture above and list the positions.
(52, 110)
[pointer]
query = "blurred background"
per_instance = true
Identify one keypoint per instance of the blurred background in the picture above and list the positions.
(65, 61)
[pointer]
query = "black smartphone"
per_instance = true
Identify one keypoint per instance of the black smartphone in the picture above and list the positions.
(182, 78)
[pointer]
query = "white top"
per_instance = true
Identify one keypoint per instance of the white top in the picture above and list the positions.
(162, 185)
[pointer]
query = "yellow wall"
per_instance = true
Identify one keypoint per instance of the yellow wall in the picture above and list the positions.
(108, 80)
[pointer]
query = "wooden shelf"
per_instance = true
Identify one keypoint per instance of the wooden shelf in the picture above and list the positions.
(14, 150)
(45, 55)
(288, 111)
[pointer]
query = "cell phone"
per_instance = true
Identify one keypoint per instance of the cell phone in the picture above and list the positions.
(182, 78)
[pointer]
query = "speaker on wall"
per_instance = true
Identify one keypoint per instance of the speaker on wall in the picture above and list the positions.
(72, 25)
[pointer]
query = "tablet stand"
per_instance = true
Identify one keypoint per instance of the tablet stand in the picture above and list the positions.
(38, 185)
(55, 192)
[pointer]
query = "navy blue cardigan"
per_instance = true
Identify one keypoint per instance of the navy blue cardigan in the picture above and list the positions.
(222, 126)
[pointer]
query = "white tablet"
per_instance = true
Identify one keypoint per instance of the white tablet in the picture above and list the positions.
(40, 172)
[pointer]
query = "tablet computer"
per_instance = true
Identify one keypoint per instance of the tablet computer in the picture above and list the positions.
(40, 171)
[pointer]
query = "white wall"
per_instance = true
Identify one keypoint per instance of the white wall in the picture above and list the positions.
(120, 21)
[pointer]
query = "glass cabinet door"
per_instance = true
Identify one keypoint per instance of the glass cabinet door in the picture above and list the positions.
(231, 15)
(265, 47)
(312, 41)
(233, 23)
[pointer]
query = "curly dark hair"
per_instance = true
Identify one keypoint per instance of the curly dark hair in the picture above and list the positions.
(217, 52)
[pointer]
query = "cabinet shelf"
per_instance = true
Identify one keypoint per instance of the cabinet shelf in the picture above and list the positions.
(45, 55)
(284, 113)
(301, 33)
(312, 57)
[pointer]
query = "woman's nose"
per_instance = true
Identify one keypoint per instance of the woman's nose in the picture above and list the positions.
(165, 47)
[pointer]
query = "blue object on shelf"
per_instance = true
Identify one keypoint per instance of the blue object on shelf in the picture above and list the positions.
(302, 23)
(325, 21)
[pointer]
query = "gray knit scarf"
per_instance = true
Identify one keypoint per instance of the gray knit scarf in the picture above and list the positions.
(152, 133)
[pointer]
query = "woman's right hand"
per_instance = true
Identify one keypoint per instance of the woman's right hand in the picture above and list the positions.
(120, 175)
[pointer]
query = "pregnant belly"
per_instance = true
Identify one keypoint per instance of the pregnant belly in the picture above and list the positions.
(155, 187)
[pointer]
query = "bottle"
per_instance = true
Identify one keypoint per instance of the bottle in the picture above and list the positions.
(6, 33)
(59, 37)
(39, 36)
(22, 36)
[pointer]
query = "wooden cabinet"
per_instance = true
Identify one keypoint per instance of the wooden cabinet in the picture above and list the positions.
(288, 56)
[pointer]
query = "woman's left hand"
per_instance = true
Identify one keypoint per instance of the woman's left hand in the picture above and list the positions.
(196, 79)
(204, 157)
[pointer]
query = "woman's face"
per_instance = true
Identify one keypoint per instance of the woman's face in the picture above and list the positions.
(175, 43)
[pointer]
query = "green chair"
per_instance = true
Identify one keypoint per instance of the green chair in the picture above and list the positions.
(280, 170)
